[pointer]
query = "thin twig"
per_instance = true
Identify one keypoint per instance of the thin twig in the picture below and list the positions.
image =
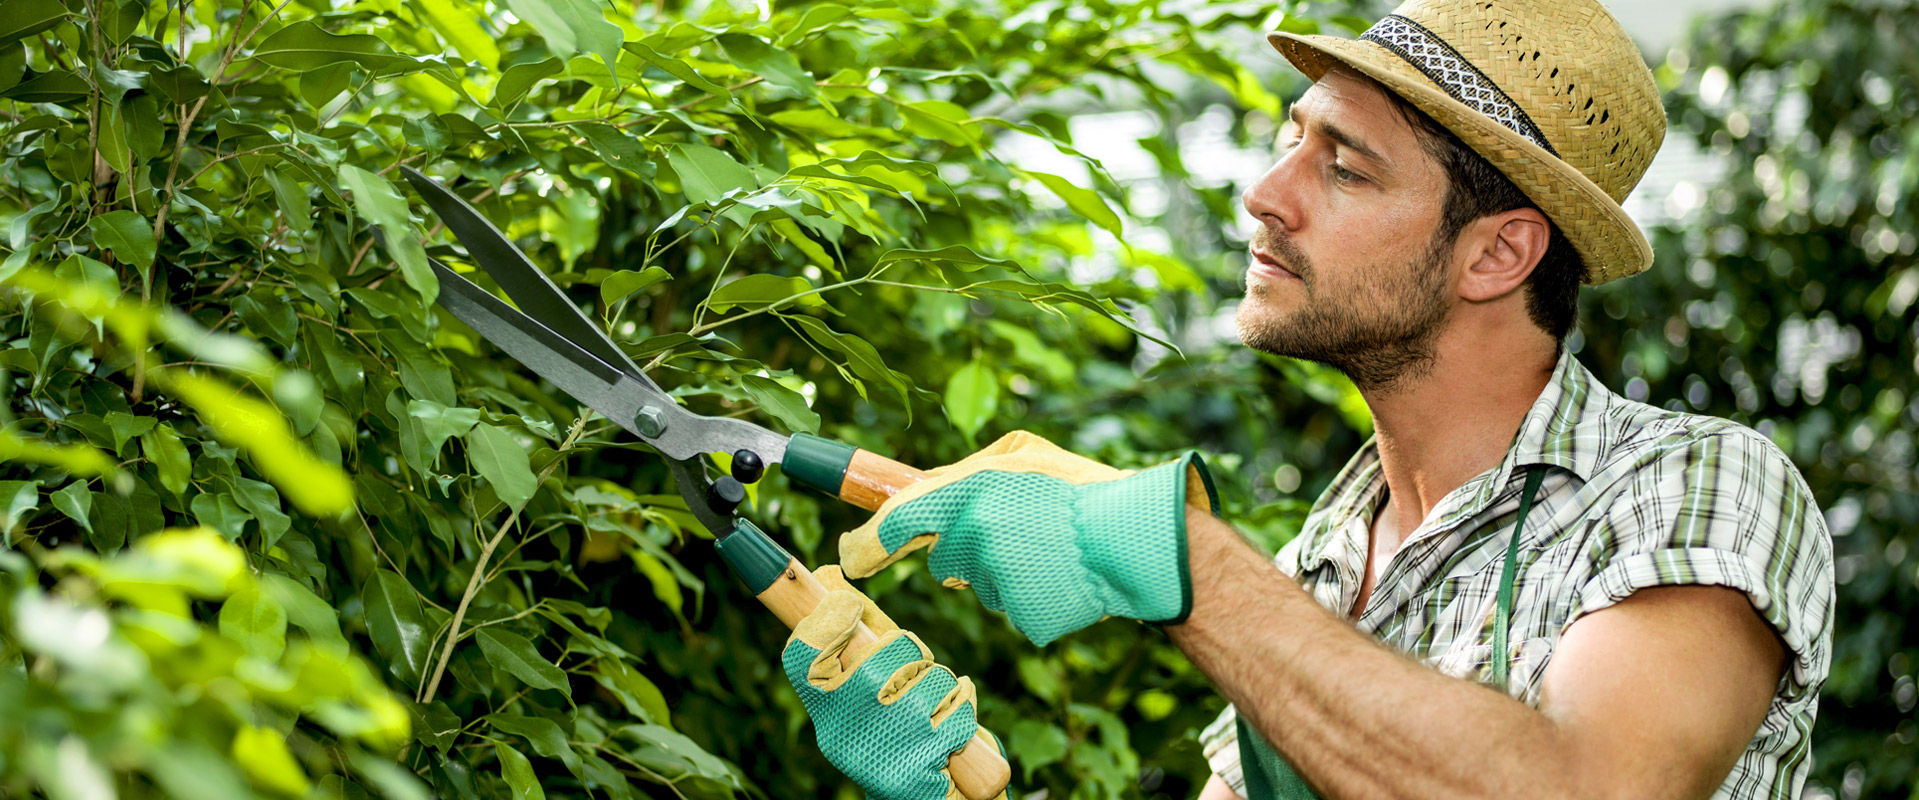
(779, 304)
(474, 584)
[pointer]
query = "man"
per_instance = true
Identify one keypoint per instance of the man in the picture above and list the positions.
(1647, 594)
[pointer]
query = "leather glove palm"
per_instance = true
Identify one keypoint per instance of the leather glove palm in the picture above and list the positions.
(1055, 540)
(891, 720)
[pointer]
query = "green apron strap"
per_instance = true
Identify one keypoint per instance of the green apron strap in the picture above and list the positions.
(1503, 611)
(1266, 773)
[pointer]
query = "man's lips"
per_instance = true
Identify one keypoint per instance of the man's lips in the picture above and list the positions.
(1268, 267)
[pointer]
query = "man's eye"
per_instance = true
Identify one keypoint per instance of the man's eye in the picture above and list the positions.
(1344, 175)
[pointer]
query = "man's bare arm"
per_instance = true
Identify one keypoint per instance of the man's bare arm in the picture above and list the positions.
(1652, 698)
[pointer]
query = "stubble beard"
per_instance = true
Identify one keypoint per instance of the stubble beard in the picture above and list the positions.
(1381, 340)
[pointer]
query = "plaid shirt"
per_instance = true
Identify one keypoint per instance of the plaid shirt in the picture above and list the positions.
(1634, 496)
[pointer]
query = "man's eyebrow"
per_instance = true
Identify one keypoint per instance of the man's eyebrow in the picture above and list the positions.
(1334, 133)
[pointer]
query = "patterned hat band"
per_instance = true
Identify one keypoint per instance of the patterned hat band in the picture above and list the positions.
(1455, 75)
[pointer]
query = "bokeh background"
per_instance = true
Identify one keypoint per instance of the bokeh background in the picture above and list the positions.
(1099, 145)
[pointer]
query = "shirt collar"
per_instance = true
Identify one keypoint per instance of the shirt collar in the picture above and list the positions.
(1565, 428)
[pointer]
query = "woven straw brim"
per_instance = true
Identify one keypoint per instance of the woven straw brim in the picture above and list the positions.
(1611, 245)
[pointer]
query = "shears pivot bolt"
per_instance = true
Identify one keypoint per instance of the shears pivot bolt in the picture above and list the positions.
(651, 421)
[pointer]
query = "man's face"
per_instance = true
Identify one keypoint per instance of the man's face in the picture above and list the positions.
(1345, 268)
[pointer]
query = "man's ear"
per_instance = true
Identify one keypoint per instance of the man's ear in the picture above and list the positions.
(1500, 252)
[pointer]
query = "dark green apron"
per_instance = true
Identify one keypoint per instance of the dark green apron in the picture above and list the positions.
(1269, 777)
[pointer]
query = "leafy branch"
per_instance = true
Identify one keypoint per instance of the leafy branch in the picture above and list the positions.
(478, 580)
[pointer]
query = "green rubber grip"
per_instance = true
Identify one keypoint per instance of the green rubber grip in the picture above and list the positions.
(753, 556)
(816, 463)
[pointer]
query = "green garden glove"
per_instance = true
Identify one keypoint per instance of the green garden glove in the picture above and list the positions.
(891, 721)
(1057, 541)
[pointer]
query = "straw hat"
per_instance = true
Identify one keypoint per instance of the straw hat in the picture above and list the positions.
(1551, 92)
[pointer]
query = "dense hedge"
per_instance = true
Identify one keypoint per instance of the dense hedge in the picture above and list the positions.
(798, 215)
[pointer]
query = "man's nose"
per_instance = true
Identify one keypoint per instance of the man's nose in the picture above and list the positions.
(1274, 198)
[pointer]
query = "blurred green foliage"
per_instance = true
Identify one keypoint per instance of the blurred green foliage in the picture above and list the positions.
(1783, 297)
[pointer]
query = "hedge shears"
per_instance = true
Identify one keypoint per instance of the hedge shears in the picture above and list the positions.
(552, 337)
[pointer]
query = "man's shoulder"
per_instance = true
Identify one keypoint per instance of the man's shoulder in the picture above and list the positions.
(1641, 436)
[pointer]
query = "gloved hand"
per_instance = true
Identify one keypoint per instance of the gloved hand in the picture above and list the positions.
(1057, 541)
(891, 720)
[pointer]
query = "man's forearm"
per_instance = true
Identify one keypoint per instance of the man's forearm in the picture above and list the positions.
(1352, 717)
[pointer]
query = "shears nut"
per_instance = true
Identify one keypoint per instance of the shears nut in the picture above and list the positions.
(651, 421)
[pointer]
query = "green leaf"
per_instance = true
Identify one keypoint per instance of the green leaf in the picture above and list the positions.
(119, 27)
(436, 726)
(616, 147)
(517, 656)
(77, 503)
(457, 26)
(939, 119)
(264, 755)
(502, 462)
(110, 520)
(707, 174)
(295, 391)
(640, 696)
(221, 513)
(257, 621)
(397, 624)
(972, 397)
(1086, 203)
(777, 66)
(861, 356)
(260, 500)
(389, 780)
(16, 499)
(53, 86)
(763, 289)
(20, 19)
(378, 202)
(520, 78)
(112, 141)
(544, 734)
(815, 121)
(679, 69)
(127, 235)
(13, 67)
(439, 423)
(621, 285)
(571, 26)
(240, 420)
(782, 402)
(1036, 744)
(668, 751)
(306, 610)
(163, 447)
(304, 45)
(958, 256)
(518, 772)
(423, 375)
(295, 208)
(790, 231)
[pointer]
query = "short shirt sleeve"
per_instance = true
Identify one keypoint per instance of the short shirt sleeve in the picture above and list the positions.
(1723, 509)
(1220, 742)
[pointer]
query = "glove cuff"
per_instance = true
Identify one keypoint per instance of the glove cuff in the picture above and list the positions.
(1140, 548)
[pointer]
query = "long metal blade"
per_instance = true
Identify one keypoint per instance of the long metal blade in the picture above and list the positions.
(529, 287)
(619, 395)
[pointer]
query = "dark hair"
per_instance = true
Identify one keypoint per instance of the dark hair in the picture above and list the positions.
(1474, 189)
